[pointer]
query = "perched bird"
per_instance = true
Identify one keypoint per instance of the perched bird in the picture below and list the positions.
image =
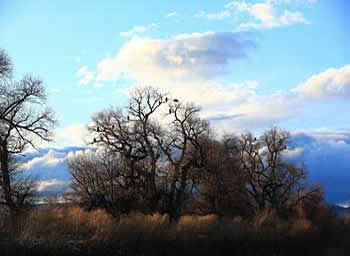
(128, 118)
(166, 99)
(112, 126)
(254, 138)
(98, 129)
(169, 110)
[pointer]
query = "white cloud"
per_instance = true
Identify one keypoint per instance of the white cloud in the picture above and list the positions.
(85, 76)
(265, 15)
(330, 136)
(51, 158)
(330, 84)
(345, 204)
(214, 16)
(183, 57)
(256, 111)
(236, 107)
(72, 135)
(293, 152)
(137, 30)
(187, 65)
(48, 166)
(74, 154)
(53, 183)
(290, 18)
(172, 14)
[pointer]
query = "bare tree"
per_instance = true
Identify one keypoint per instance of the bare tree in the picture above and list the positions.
(183, 150)
(129, 133)
(24, 118)
(222, 183)
(159, 136)
(23, 187)
(99, 181)
(271, 180)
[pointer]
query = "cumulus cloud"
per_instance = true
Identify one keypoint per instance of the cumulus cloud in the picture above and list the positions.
(235, 107)
(187, 65)
(72, 135)
(256, 112)
(265, 15)
(183, 57)
(172, 14)
(52, 184)
(85, 76)
(239, 106)
(48, 165)
(73, 154)
(330, 84)
(51, 158)
(137, 30)
(213, 16)
(293, 152)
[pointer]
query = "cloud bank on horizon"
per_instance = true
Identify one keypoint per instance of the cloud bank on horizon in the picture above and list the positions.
(325, 154)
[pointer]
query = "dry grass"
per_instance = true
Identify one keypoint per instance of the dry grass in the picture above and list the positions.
(73, 231)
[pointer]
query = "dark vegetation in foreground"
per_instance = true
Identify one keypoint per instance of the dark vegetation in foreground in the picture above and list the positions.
(74, 231)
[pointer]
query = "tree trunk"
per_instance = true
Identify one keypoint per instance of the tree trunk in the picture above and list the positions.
(6, 182)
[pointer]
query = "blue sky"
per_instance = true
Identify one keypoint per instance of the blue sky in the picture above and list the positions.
(249, 64)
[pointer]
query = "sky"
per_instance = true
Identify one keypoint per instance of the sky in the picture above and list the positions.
(250, 65)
